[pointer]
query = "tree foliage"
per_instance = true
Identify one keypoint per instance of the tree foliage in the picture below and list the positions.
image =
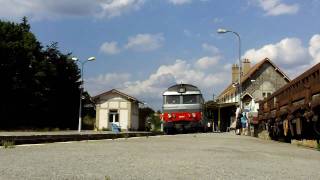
(40, 86)
(149, 117)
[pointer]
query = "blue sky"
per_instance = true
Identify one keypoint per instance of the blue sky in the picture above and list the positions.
(144, 46)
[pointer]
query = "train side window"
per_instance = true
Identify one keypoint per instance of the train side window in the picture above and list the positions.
(172, 99)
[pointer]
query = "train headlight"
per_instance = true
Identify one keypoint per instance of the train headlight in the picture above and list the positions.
(193, 115)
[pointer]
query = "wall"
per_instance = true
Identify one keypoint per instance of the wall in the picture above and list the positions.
(266, 80)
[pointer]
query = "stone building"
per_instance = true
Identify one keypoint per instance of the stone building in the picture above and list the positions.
(257, 83)
(116, 107)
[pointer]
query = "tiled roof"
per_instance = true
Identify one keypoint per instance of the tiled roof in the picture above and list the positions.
(117, 92)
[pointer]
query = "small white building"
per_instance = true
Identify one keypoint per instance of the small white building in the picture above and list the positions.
(116, 107)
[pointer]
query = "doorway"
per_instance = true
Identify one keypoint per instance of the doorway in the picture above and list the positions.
(113, 117)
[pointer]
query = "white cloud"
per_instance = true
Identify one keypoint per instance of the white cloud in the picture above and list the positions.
(288, 52)
(110, 48)
(150, 89)
(314, 48)
(190, 34)
(51, 9)
(145, 42)
(187, 33)
(105, 82)
(217, 20)
(210, 48)
(179, 72)
(180, 2)
(207, 62)
(112, 8)
(139, 42)
(276, 7)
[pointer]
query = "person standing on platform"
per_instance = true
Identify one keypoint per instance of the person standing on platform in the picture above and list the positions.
(238, 121)
(243, 123)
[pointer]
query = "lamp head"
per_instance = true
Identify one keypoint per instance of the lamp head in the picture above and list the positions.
(91, 58)
(220, 30)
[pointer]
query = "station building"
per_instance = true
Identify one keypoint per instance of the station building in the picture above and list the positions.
(257, 83)
(116, 107)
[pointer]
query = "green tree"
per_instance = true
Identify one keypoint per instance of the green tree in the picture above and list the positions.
(88, 112)
(40, 85)
(145, 114)
(18, 48)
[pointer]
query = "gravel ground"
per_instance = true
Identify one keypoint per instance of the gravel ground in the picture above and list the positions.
(191, 156)
(71, 132)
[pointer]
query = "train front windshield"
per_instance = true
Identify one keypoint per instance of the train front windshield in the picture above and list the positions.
(172, 99)
(185, 99)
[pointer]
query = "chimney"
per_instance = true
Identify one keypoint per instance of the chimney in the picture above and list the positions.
(246, 65)
(235, 73)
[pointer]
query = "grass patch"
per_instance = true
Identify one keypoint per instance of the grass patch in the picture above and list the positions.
(7, 144)
(107, 178)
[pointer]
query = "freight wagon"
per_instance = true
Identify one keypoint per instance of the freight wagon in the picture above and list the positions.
(293, 111)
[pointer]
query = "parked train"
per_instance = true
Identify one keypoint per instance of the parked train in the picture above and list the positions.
(183, 109)
(293, 111)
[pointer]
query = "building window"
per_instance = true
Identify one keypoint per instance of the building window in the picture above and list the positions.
(266, 94)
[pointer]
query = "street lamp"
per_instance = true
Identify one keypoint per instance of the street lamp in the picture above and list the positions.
(221, 31)
(81, 86)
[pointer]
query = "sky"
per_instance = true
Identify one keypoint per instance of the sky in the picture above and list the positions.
(144, 46)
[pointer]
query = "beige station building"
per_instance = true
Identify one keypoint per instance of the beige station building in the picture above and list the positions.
(116, 107)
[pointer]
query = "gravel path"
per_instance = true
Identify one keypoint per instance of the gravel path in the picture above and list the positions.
(191, 156)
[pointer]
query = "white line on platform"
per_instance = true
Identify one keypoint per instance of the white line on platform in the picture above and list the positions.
(27, 145)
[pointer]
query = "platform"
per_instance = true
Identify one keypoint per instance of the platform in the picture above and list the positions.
(26, 137)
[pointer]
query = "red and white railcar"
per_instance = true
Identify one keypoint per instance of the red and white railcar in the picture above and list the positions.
(183, 109)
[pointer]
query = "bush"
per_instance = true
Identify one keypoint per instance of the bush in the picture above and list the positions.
(156, 123)
(88, 122)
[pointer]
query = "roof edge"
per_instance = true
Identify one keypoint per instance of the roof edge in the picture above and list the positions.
(117, 92)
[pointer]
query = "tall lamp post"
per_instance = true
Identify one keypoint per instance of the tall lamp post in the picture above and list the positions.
(81, 86)
(221, 31)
